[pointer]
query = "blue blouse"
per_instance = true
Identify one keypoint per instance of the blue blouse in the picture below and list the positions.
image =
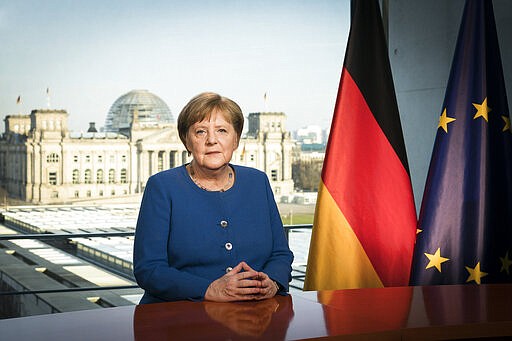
(187, 237)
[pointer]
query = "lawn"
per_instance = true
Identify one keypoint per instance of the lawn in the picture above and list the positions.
(297, 218)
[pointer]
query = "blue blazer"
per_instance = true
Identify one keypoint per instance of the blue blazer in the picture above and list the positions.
(187, 237)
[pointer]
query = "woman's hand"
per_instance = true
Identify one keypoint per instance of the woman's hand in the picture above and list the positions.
(268, 288)
(242, 283)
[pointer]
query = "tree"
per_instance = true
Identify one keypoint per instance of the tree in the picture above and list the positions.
(306, 174)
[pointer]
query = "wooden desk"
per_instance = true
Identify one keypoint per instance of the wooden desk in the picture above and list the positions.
(404, 313)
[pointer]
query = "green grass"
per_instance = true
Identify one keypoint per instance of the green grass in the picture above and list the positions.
(298, 218)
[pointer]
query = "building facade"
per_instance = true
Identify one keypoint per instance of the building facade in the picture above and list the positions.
(43, 162)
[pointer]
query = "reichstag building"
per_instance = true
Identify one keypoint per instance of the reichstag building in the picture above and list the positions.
(43, 162)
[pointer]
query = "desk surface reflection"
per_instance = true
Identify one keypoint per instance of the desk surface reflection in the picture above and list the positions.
(414, 313)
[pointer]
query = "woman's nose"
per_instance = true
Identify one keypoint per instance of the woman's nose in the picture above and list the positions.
(211, 138)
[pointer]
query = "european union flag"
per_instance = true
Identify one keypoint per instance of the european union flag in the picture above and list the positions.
(465, 224)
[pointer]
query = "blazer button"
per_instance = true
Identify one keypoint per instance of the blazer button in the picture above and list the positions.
(224, 223)
(228, 246)
(228, 269)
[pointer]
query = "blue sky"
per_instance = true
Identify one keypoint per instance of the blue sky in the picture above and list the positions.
(88, 53)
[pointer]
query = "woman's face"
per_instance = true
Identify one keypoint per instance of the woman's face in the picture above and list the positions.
(212, 141)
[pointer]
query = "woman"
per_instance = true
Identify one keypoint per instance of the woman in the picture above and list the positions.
(210, 230)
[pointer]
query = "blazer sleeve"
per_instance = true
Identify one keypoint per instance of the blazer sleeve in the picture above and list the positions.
(279, 266)
(150, 257)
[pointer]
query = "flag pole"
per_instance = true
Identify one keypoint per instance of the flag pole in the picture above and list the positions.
(48, 97)
(18, 104)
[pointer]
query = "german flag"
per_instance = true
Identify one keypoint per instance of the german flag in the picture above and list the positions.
(365, 219)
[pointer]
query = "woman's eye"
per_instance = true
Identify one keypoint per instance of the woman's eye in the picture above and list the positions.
(222, 130)
(200, 132)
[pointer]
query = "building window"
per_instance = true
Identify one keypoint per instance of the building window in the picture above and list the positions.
(123, 176)
(100, 158)
(52, 178)
(52, 158)
(123, 158)
(88, 194)
(101, 193)
(111, 176)
(251, 157)
(87, 158)
(112, 158)
(113, 192)
(77, 194)
(172, 159)
(87, 175)
(54, 195)
(273, 174)
(160, 161)
(75, 158)
(99, 176)
(76, 176)
(2, 165)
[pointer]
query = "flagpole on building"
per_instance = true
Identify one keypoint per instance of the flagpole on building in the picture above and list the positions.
(18, 104)
(48, 97)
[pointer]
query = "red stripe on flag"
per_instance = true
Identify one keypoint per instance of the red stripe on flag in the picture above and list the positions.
(370, 185)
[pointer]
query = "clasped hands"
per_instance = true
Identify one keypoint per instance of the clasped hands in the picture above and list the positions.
(242, 283)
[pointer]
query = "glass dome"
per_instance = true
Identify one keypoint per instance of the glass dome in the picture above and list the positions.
(151, 111)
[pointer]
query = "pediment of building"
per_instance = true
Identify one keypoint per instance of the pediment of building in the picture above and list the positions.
(162, 136)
